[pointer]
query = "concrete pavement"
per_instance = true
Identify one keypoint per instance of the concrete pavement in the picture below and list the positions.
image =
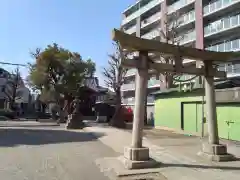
(175, 164)
(35, 151)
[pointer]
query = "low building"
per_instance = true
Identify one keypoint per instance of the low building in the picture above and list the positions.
(7, 90)
(5, 87)
(185, 111)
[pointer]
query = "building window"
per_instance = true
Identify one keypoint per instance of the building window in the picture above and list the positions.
(234, 20)
(221, 47)
(228, 46)
(214, 48)
(226, 23)
(219, 25)
(212, 7)
(236, 68)
(192, 15)
(225, 2)
(235, 44)
(218, 4)
(206, 9)
(229, 68)
(221, 67)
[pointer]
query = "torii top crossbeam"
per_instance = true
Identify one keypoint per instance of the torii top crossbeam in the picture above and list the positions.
(134, 43)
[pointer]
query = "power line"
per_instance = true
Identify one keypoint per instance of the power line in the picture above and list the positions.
(13, 64)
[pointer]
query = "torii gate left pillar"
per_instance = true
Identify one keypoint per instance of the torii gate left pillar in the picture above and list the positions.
(137, 156)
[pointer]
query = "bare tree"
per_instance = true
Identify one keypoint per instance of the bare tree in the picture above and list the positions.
(114, 75)
(12, 83)
(171, 35)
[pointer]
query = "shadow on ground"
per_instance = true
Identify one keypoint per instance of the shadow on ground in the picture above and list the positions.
(29, 125)
(201, 166)
(17, 136)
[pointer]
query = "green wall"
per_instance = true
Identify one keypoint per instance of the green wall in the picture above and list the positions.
(168, 111)
(229, 113)
(168, 114)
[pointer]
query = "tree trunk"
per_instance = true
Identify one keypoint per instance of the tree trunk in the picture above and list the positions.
(61, 111)
(118, 119)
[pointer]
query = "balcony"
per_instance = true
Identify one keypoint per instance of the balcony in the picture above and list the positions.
(130, 72)
(178, 5)
(185, 78)
(188, 37)
(152, 34)
(151, 19)
(131, 30)
(187, 18)
(226, 46)
(144, 9)
(234, 45)
(215, 6)
(131, 100)
(152, 83)
(145, 23)
(221, 25)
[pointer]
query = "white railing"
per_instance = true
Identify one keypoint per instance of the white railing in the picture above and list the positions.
(131, 30)
(131, 72)
(233, 45)
(222, 25)
(144, 9)
(151, 19)
(215, 6)
(152, 83)
(187, 18)
(152, 34)
(178, 5)
(128, 87)
(145, 23)
(188, 37)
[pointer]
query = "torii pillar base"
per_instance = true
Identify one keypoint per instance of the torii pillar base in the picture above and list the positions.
(137, 158)
(216, 152)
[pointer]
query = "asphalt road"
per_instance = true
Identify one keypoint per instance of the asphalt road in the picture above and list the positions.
(34, 151)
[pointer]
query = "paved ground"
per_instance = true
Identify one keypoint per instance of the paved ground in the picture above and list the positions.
(173, 151)
(34, 151)
(188, 145)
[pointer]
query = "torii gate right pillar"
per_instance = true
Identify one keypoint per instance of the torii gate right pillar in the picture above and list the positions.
(212, 150)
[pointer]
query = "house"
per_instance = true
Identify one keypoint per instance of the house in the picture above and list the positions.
(105, 95)
(7, 89)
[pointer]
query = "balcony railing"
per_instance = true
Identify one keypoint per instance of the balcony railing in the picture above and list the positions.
(178, 5)
(187, 18)
(131, 101)
(145, 22)
(131, 86)
(222, 25)
(151, 19)
(188, 37)
(144, 9)
(152, 34)
(131, 30)
(131, 72)
(226, 46)
(212, 7)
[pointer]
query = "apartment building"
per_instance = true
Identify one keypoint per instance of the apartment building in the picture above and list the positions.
(205, 24)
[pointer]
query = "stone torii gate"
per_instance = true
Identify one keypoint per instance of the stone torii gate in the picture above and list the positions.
(136, 156)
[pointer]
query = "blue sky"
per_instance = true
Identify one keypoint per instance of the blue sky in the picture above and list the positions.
(83, 26)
